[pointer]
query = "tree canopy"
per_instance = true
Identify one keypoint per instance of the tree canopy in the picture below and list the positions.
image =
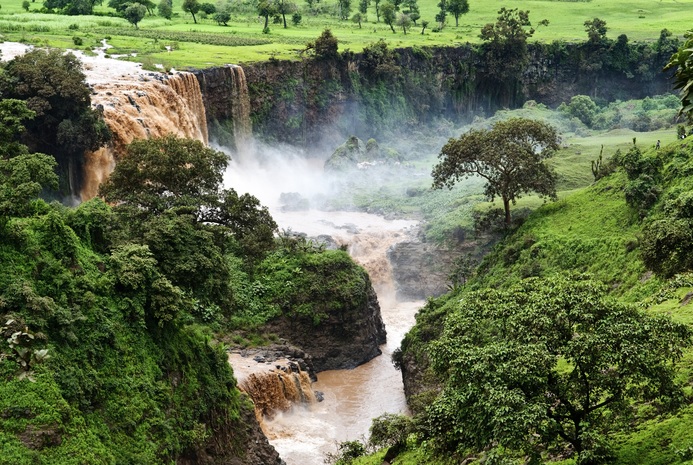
(682, 63)
(22, 174)
(549, 362)
(53, 86)
(511, 157)
(182, 177)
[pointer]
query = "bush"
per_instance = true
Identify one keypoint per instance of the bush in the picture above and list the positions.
(77, 40)
(667, 246)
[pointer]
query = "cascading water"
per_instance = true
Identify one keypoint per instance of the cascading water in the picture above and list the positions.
(142, 106)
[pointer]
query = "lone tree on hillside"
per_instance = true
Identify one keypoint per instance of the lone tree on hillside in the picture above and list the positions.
(549, 360)
(134, 13)
(511, 157)
(389, 14)
(192, 7)
(457, 8)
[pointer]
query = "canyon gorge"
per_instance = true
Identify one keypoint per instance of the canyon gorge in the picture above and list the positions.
(279, 122)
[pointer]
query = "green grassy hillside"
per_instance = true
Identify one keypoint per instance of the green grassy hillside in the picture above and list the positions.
(595, 230)
(205, 43)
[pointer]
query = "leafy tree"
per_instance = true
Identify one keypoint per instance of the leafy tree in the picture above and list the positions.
(22, 174)
(53, 86)
(358, 18)
(505, 49)
(296, 18)
(26, 5)
(363, 7)
(424, 25)
(222, 17)
(165, 9)
(442, 13)
(167, 196)
(134, 13)
(388, 12)
(284, 7)
(160, 174)
(546, 361)
(682, 62)
(404, 21)
(208, 8)
(378, 60)
(511, 157)
(192, 7)
(72, 7)
(583, 108)
(596, 30)
(344, 8)
(412, 9)
(325, 47)
(266, 8)
(457, 8)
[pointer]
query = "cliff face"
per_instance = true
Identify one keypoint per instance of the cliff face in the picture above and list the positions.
(311, 102)
(252, 446)
(344, 339)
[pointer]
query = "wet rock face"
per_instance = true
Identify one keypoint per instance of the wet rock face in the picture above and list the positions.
(419, 269)
(345, 339)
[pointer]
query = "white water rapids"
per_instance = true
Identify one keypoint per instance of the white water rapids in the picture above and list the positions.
(352, 398)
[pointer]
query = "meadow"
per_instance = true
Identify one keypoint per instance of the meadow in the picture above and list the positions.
(205, 43)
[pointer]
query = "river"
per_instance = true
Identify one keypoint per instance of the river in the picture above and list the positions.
(352, 398)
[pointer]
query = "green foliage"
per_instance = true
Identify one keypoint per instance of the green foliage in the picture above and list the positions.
(457, 8)
(160, 174)
(510, 157)
(303, 282)
(165, 9)
(596, 30)
(192, 7)
(379, 61)
(22, 174)
(548, 360)
(388, 13)
(583, 108)
(325, 46)
(390, 430)
(682, 63)
(134, 13)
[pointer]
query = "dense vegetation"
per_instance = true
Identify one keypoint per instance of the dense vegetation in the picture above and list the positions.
(609, 232)
(109, 314)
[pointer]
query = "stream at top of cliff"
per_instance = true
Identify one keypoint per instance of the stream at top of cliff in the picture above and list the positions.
(352, 398)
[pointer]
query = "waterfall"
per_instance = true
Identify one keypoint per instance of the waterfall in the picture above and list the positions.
(240, 109)
(273, 390)
(140, 107)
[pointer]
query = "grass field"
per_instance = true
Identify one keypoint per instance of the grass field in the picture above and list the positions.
(638, 19)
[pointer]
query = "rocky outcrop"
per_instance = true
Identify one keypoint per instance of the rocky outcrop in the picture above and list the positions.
(239, 442)
(343, 340)
(420, 270)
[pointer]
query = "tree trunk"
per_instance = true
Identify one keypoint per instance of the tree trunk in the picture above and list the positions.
(194, 19)
(266, 21)
(506, 207)
(284, 18)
